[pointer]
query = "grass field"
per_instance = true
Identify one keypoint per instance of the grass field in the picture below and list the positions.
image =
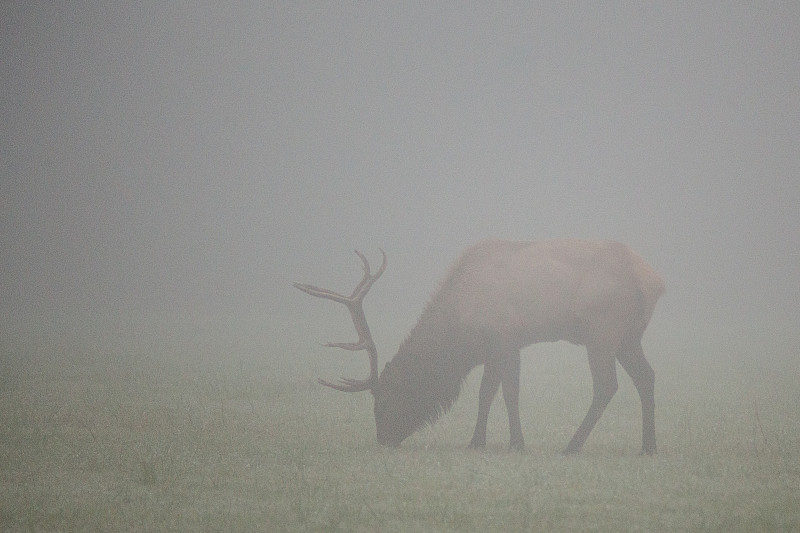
(147, 438)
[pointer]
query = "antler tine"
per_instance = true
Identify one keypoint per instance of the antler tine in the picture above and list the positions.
(322, 293)
(366, 282)
(358, 293)
(365, 342)
(348, 385)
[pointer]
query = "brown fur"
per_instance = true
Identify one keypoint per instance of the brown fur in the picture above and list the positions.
(501, 296)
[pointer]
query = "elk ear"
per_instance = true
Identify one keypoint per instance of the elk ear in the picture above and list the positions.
(384, 374)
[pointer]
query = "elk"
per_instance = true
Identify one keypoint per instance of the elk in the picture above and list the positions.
(499, 297)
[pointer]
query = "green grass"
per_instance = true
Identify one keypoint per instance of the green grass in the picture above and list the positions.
(155, 441)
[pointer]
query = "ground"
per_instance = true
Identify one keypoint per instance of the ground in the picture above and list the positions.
(151, 440)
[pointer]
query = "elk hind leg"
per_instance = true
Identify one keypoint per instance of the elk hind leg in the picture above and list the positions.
(632, 359)
(604, 381)
(489, 385)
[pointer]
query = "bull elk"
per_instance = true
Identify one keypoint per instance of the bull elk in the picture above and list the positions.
(499, 297)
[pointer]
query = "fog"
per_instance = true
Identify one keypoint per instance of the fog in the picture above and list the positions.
(184, 160)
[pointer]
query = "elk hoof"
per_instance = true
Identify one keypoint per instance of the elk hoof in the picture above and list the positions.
(570, 450)
(516, 446)
(476, 445)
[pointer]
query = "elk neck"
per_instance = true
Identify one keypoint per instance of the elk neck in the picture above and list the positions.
(431, 364)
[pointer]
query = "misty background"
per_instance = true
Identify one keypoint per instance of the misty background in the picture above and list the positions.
(178, 165)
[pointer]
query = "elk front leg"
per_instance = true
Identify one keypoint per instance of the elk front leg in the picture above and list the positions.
(489, 385)
(510, 381)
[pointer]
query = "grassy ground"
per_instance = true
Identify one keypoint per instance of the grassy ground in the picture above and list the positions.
(153, 441)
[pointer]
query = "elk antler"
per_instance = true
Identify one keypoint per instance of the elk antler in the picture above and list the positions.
(365, 342)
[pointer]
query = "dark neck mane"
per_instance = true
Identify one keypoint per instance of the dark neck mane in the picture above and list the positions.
(432, 363)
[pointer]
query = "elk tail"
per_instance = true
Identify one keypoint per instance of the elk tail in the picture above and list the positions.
(651, 287)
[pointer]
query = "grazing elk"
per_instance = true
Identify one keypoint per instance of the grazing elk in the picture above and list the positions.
(499, 297)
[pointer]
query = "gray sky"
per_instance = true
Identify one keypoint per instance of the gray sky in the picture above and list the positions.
(176, 157)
